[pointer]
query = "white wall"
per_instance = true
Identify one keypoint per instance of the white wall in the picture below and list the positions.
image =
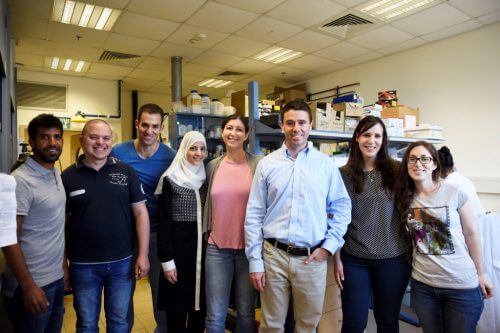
(455, 83)
(91, 96)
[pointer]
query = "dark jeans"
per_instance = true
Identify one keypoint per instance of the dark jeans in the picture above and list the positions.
(385, 279)
(48, 322)
(191, 322)
(446, 310)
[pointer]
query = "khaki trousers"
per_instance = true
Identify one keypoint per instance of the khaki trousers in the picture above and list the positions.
(287, 274)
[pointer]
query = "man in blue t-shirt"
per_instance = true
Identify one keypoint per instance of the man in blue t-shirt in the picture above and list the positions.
(150, 158)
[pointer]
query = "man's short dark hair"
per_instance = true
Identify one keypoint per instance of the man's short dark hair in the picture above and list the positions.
(43, 120)
(296, 105)
(151, 109)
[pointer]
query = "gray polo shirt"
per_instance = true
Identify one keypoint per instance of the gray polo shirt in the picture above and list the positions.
(41, 200)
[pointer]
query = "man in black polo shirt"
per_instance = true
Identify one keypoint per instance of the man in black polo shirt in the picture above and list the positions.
(107, 218)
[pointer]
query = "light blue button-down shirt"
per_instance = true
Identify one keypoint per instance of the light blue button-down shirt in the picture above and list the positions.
(301, 202)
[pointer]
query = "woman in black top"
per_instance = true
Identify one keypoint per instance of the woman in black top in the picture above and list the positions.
(374, 256)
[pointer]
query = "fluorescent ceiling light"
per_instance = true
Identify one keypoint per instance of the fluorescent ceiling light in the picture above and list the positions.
(277, 55)
(66, 64)
(84, 15)
(214, 83)
(85, 18)
(388, 10)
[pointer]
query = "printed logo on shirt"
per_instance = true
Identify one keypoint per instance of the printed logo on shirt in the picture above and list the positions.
(118, 179)
(75, 193)
(429, 228)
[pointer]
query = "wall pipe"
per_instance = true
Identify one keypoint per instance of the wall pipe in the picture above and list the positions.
(176, 69)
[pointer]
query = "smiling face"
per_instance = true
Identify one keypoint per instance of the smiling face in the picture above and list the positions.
(196, 153)
(418, 171)
(370, 142)
(96, 141)
(47, 146)
(296, 125)
(149, 127)
(234, 134)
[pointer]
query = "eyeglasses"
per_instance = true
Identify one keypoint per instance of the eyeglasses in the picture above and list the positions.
(422, 159)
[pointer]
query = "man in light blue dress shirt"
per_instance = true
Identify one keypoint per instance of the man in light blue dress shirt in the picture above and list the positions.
(297, 214)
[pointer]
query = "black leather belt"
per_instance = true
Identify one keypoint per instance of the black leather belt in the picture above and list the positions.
(292, 250)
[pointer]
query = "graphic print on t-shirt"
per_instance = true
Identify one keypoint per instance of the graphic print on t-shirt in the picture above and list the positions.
(429, 228)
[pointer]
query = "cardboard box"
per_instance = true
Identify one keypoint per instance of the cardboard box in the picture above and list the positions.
(394, 126)
(286, 95)
(425, 132)
(350, 124)
(409, 121)
(337, 121)
(351, 109)
(328, 148)
(239, 100)
(321, 113)
(399, 111)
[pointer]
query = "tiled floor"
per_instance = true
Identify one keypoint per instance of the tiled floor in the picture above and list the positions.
(143, 312)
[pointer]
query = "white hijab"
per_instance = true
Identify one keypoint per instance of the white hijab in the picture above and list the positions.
(181, 172)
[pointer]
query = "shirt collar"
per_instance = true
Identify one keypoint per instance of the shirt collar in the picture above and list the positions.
(38, 168)
(79, 162)
(304, 151)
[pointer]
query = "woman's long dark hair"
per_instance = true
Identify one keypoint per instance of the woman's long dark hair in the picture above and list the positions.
(383, 162)
(405, 186)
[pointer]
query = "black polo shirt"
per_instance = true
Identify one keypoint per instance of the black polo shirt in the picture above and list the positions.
(100, 225)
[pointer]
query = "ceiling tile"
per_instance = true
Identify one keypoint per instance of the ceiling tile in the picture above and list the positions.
(28, 59)
(430, 20)
(451, 31)
(409, 44)
(305, 76)
(381, 37)
(62, 72)
(240, 46)
(198, 70)
(40, 9)
(350, 3)
(144, 26)
(212, 58)
(256, 6)
(220, 17)
(138, 84)
(167, 50)
(490, 18)
(363, 58)
(192, 79)
(105, 69)
(309, 63)
(251, 66)
(173, 10)
(332, 68)
(161, 88)
(342, 51)
(306, 13)
(284, 72)
(157, 64)
(268, 30)
(262, 79)
(128, 44)
(75, 36)
(185, 33)
(30, 68)
(477, 7)
(43, 47)
(23, 26)
(147, 74)
(103, 76)
(308, 41)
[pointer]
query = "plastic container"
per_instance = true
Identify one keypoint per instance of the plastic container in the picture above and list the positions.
(205, 104)
(217, 108)
(194, 102)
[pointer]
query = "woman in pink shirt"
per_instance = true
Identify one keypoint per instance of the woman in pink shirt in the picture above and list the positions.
(229, 178)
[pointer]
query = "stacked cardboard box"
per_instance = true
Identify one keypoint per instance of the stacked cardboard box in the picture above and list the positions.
(351, 114)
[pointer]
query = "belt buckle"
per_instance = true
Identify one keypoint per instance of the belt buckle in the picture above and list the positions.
(289, 248)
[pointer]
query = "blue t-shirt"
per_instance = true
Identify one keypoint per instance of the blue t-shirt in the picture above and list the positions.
(149, 171)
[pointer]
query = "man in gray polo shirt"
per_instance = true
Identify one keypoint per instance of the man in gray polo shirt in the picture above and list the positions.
(34, 285)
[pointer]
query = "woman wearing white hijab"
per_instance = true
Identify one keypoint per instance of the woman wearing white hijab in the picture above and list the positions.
(181, 194)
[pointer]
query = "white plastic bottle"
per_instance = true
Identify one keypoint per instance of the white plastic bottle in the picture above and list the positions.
(217, 108)
(205, 104)
(194, 102)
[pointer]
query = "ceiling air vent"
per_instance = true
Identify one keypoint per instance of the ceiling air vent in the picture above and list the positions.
(347, 25)
(117, 58)
(230, 73)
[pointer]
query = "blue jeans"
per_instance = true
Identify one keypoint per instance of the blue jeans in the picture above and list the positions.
(446, 310)
(88, 281)
(220, 267)
(48, 322)
(385, 279)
